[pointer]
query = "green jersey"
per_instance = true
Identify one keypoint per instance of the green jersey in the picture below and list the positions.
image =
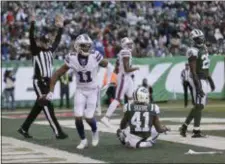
(203, 62)
(140, 118)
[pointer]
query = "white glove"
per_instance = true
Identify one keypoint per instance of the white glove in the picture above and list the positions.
(49, 96)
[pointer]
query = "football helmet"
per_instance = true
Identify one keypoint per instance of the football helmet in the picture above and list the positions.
(83, 44)
(127, 43)
(198, 37)
(141, 95)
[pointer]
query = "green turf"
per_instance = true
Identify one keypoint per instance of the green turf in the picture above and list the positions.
(110, 150)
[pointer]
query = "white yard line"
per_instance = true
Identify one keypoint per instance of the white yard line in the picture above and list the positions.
(209, 142)
(25, 152)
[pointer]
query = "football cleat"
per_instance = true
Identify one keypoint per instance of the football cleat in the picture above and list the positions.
(106, 122)
(198, 134)
(183, 130)
(61, 136)
(24, 133)
(95, 138)
(83, 144)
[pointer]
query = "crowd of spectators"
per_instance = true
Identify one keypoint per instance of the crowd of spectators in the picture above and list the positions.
(158, 28)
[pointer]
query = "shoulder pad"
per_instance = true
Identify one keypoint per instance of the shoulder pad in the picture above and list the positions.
(67, 58)
(192, 52)
(126, 107)
(125, 53)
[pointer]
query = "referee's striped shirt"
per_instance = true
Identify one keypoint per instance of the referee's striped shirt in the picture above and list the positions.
(43, 58)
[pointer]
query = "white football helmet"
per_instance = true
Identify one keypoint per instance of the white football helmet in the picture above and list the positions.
(127, 43)
(198, 37)
(83, 44)
(141, 94)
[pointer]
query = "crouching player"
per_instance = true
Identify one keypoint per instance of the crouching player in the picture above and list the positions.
(140, 126)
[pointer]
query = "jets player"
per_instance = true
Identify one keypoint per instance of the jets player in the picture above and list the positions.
(125, 82)
(199, 62)
(142, 120)
(85, 63)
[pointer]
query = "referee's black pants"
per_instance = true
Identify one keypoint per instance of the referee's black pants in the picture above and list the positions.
(42, 86)
(187, 85)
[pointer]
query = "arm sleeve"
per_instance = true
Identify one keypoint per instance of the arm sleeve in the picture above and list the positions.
(124, 121)
(57, 40)
(182, 76)
(33, 45)
(98, 57)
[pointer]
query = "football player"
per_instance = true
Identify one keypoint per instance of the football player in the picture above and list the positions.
(85, 63)
(103, 87)
(125, 83)
(199, 62)
(140, 126)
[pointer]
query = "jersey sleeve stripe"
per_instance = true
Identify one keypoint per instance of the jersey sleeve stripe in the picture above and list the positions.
(99, 58)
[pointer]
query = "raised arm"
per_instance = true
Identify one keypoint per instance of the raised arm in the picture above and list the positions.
(33, 44)
(59, 22)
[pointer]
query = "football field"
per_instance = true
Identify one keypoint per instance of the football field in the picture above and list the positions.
(170, 148)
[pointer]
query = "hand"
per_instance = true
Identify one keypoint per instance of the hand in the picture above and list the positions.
(166, 129)
(200, 93)
(49, 96)
(59, 21)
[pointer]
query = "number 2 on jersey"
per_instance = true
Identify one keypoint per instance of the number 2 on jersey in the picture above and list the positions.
(137, 119)
(85, 77)
(205, 61)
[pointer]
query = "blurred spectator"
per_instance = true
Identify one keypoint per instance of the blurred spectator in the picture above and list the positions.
(158, 28)
(9, 80)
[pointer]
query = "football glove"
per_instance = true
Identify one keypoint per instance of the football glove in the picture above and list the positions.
(49, 96)
(200, 93)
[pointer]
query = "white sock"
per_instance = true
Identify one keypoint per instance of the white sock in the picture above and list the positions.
(145, 144)
(99, 109)
(154, 135)
(112, 108)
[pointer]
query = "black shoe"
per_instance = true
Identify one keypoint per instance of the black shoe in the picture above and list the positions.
(62, 136)
(24, 133)
(183, 130)
(198, 134)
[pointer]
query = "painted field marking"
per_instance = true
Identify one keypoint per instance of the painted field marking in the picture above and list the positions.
(25, 152)
(213, 142)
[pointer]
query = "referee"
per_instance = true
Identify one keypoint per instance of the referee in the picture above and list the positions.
(42, 53)
(185, 75)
